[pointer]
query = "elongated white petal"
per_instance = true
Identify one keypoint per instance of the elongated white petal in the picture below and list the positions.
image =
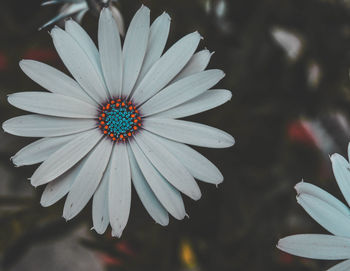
(316, 246)
(119, 190)
(181, 91)
(196, 164)
(313, 190)
(206, 101)
(100, 215)
(326, 215)
(54, 80)
(40, 150)
(343, 266)
(86, 44)
(341, 170)
(198, 62)
(110, 52)
(158, 37)
(146, 195)
(88, 179)
(135, 46)
(168, 165)
(66, 157)
(169, 197)
(79, 64)
(59, 187)
(45, 126)
(189, 132)
(52, 105)
(167, 67)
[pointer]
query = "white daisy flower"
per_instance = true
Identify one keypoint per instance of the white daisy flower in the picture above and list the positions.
(78, 8)
(117, 122)
(331, 214)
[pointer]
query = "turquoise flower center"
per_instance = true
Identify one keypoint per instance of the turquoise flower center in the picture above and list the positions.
(119, 120)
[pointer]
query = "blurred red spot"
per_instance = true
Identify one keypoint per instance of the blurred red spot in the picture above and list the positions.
(300, 131)
(124, 248)
(41, 54)
(108, 260)
(285, 258)
(3, 61)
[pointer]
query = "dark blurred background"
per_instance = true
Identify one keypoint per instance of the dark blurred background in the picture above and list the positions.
(287, 64)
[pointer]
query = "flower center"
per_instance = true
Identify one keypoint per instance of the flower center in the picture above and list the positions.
(119, 119)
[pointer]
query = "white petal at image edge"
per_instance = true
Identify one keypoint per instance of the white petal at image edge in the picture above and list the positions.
(316, 246)
(326, 215)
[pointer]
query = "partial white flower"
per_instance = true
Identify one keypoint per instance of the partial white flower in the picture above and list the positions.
(78, 8)
(331, 214)
(116, 123)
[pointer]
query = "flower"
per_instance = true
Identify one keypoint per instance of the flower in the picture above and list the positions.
(78, 8)
(331, 214)
(117, 122)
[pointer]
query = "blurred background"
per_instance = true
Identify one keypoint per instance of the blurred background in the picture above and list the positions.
(287, 64)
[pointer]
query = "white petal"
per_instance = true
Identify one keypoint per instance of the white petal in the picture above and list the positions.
(146, 195)
(135, 46)
(189, 132)
(79, 64)
(52, 104)
(196, 164)
(45, 126)
(40, 150)
(66, 157)
(86, 44)
(199, 62)
(58, 188)
(54, 80)
(88, 179)
(313, 190)
(168, 165)
(341, 170)
(167, 67)
(206, 101)
(119, 19)
(326, 215)
(181, 91)
(158, 37)
(100, 216)
(119, 189)
(110, 52)
(66, 11)
(169, 197)
(316, 246)
(343, 266)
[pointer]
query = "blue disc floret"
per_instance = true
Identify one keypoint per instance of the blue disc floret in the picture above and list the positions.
(119, 119)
